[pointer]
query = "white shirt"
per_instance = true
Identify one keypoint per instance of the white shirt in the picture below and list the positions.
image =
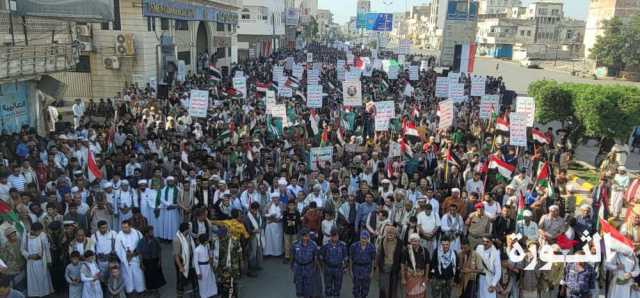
(78, 109)
(4, 191)
(475, 186)
(104, 243)
(493, 210)
(428, 223)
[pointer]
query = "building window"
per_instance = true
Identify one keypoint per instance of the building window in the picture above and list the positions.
(219, 27)
(182, 25)
(164, 24)
(220, 53)
(151, 24)
(228, 52)
(246, 14)
(104, 26)
(228, 27)
(117, 25)
(185, 56)
(521, 32)
(83, 65)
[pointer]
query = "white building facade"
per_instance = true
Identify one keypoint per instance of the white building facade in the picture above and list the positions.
(261, 28)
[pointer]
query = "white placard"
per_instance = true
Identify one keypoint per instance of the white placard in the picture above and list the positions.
(394, 149)
(353, 75)
(446, 113)
(280, 111)
(414, 72)
(456, 92)
(278, 73)
(317, 154)
(297, 71)
(284, 91)
(424, 65)
(340, 70)
(489, 103)
(401, 59)
(314, 96)
(385, 111)
(393, 72)
(240, 84)
(199, 103)
(478, 84)
(352, 93)
(404, 47)
(518, 129)
(239, 74)
(527, 106)
(309, 57)
(350, 58)
(374, 53)
(442, 87)
(270, 100)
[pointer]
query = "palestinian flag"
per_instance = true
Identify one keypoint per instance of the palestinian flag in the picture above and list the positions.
(263, 87)
(214, 73)
(540, 137)
(504, 168)
(405, 147)
(292, 82)
(409, 128)
(93, 172)
(7, 214)
(543, 174)
(452, 159)
(232, 92)
(300, 94)
(614, 240)
(520, 215)
(502, 124)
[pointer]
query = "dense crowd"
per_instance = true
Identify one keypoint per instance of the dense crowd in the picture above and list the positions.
(85, 210)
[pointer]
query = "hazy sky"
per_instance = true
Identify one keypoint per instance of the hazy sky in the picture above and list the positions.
(343, 9)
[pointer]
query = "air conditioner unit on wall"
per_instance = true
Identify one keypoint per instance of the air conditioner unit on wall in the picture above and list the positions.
(125, 44)
(111, 62)
(83, 30)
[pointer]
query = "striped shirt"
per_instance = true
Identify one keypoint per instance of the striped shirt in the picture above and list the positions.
(17, 181)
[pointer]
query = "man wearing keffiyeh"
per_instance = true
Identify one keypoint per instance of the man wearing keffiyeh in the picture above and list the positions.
(443, 270)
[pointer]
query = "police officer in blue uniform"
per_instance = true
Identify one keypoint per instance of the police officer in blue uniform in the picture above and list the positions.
(304, 253)
(334, 255)
(363, 254)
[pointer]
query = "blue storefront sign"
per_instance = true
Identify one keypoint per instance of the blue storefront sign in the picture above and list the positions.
(14, 108)
(462, 10)
(187, 12)
(361, 20)
(379, 21)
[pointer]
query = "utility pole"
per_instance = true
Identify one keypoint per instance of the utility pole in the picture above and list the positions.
(11, 9)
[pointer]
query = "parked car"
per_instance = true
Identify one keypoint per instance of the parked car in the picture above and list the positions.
(528, 63)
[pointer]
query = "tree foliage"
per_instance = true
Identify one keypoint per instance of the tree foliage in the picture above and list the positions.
(310, 29)
(618, 46)
(592, 111)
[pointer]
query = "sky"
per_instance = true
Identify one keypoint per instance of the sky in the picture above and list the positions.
(343, 9)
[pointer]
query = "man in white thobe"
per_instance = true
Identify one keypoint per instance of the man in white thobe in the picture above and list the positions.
(453, 226)
(492, 271)
(169, 212)
(620, 183)
(148, 198)
(428, 222)
(315, 196)
(126, 243)
(273, 232)
(127, 199)
(53, 117)
(35, 249)
(202, 262)
(624, 268)
(78, 111)
(105, 246)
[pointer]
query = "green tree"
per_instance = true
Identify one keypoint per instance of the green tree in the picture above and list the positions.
(310, 29)
(552, 102)
(618, 47)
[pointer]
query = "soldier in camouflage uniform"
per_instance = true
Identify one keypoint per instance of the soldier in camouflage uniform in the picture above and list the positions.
(229, 260)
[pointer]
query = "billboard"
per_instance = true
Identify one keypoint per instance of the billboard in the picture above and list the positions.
(379, 21)
(363, 7)
(292, 16)
(462, 10)
(88, 10)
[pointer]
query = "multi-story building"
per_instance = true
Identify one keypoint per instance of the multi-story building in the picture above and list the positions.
(497, 7)
(325, 20)
(153, 42)
(418, 25)
(261, 27)
(538, 30)
(602, 10)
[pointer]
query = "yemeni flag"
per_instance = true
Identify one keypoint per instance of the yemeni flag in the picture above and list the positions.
(93, 172)
(504, 168)
(263, 87)
(7, 214)
(614, 240)
(214, 73)
(540, 137)
(520, 215)
(405, 147)
(409, 128)
(502, 124)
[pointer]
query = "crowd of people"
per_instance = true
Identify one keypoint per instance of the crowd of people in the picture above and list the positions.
(86, 211)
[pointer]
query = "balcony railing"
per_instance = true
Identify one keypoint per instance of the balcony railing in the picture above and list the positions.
(20, 61)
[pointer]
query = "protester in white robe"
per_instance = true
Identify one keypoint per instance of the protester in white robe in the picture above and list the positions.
(492, 271)
(624, 268)
(428, 222)
(104, 246)
(453, 227)
(273, 232)
(169, 211)
(202, 262)
(36, 250)
(126, 244)
(127, 199)
(148, 205)
(90, 276)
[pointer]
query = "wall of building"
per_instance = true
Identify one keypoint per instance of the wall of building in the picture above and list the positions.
(602, 10)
